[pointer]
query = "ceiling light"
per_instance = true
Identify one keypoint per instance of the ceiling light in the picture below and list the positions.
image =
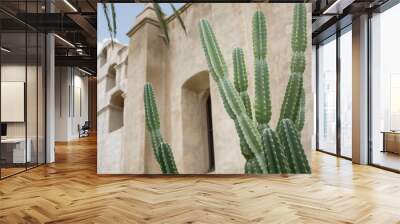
(64, 40)
(84, 71)
(5, 50)
(70, 5)
(337, 7)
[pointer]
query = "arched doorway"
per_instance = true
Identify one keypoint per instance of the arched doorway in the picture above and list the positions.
(198, 144)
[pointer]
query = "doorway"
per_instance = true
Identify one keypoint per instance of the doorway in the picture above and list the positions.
(197, 136)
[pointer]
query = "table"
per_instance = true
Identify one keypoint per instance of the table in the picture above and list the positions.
(15, 148)
(391, 141)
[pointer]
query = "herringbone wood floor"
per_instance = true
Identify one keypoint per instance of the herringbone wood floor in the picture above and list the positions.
(69, 191)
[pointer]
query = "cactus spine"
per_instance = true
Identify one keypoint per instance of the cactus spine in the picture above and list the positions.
(265, 150)
(162, 150)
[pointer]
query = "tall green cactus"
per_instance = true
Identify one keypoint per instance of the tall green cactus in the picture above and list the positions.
(265, 150)
(162, 151)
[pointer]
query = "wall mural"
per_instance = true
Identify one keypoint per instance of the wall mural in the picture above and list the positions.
(193, 117)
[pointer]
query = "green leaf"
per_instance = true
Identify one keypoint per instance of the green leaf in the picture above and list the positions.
(110, 28)
(114, 18)
(178, 16)
(162, 22)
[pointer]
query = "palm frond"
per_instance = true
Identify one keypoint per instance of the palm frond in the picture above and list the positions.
(114, 18)
(110, 28)
(162, 21)
(177, 14)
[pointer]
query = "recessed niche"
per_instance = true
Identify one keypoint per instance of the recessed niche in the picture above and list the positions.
(111, 78)
(116, 107)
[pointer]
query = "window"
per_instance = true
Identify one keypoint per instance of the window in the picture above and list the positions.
(334, 96)
(327, 95)
(22, 75)
(346, 93)
(385, 89)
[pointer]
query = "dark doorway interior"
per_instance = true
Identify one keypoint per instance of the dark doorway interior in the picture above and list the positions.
(210, 136)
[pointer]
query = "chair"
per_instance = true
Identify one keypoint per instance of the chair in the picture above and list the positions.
(84, 130)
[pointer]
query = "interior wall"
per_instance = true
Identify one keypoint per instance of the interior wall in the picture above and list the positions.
(71, 87)
(16, 72)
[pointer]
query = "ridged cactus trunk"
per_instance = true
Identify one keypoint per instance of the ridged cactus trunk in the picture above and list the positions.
(162, 151)
(265, 150)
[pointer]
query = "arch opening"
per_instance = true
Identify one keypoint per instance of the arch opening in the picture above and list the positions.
(111, 80)
(116, 108)
(198, 144)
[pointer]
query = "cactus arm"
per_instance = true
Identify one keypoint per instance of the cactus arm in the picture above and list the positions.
(290, 139)
(215, 60)
(230, 96)
(262, 104)
(274, 152)
(299, 31)
(240, 78)
(291, 103)
(152, 118)
(259, 36)
(239, 70)
(162, 151)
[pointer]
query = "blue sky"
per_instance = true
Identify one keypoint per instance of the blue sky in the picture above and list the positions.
(126, 15)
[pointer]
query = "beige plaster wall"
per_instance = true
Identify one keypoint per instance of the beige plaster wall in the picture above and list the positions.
(168, 68)
(110, 106)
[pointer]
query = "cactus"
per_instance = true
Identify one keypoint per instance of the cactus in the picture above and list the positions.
(265, 150)
(162, 151)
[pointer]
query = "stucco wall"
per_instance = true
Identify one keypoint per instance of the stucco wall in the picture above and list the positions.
(71, 102)
(168, 68)
(111, 89)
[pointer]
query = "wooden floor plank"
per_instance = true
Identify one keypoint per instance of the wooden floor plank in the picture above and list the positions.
(70, 191)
